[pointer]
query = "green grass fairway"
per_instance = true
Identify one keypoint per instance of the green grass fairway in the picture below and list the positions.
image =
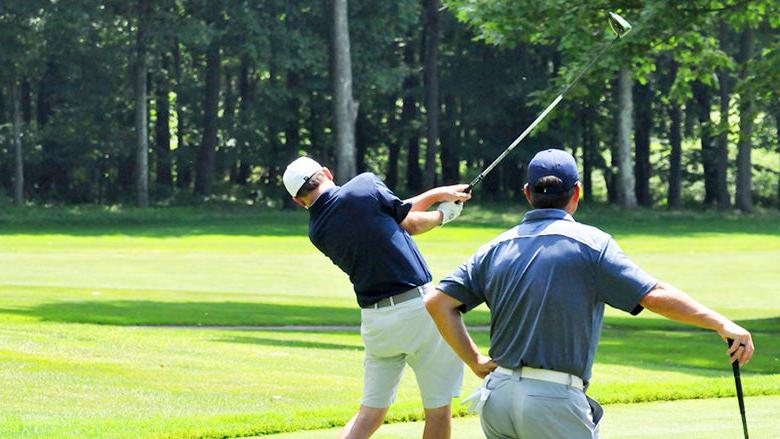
(77, 285)
(701, 419)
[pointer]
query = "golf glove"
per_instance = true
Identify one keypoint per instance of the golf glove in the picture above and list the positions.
(450, 210)
(476, 401)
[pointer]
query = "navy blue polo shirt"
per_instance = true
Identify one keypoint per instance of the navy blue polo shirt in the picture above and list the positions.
(546, 282)
(357, 226)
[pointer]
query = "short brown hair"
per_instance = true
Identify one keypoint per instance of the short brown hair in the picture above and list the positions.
(542, 199)
(312, 183)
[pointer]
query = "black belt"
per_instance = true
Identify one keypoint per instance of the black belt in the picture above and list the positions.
(399, 298)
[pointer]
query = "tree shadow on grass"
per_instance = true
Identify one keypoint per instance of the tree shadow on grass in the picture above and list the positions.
(644, 343)
(145, 312)
(154, 313)
(290, 343)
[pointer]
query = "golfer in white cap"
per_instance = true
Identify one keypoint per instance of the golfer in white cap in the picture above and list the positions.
(365, 230)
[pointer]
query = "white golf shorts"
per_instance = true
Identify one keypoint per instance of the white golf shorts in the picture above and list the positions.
(405, 334)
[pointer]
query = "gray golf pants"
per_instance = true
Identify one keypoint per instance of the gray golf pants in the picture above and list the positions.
(523, 408)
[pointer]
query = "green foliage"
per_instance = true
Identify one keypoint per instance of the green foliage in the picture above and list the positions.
(500, 62)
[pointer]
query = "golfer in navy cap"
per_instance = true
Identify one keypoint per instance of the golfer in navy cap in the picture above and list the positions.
(546, 282)
(364, 228)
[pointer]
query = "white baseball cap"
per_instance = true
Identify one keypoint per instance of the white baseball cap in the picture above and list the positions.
(298, 173)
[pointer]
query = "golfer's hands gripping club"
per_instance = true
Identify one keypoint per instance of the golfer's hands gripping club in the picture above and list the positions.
(742, 348)
(452, 201)
(456, 192)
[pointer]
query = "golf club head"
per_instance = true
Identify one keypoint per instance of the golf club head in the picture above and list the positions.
(619, 25)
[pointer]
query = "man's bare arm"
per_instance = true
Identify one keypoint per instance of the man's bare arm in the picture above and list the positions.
(444, 311)
(674, 304)
(436, 195)
(416, 223)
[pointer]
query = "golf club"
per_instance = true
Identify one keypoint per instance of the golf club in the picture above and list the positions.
(620, 27)
(740, 398)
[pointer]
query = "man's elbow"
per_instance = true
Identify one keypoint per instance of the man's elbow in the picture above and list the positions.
(656, 298)
(411, 226)
(437, 304)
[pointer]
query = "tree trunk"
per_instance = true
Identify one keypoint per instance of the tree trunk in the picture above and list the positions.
(345, 108)
(141, 109)
(675, 156)
(449, 142)
(644, 123)
(722, 147)
(394, 146)
(431, 90)
(744, 196)
(588, 149)
(162, 128)
(183, 158)
(777, 135)
(17, 134)
(26, 102)
(204, 176)
(625, 184)
(361, 142)
(408, 115)
(242, 172)
(703, 98)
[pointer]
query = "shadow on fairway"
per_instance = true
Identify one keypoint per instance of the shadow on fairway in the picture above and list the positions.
(145, 312)
(290, 343)
(153, 313)
(645, 343)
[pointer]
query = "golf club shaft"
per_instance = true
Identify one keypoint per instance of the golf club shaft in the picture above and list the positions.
(740, 397)
(539, 118)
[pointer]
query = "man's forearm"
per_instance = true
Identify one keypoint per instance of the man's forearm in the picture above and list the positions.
(416, 223)
(674, 304)
(425, 200)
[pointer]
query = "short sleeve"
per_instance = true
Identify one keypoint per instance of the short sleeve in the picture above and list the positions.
(621, 283)
(464, 285)
(390, 203)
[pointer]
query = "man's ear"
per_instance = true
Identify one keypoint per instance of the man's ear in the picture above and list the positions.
(327, 173)
(527, 193)
(299, 202)
(577, 192)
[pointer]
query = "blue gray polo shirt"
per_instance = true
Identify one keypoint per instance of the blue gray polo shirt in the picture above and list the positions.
(546, 282)
(358, 227)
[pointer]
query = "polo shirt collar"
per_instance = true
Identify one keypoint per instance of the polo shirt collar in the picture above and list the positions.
(322, 200)
(547, 214)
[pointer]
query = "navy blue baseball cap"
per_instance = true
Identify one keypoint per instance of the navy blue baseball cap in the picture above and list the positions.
(553, 162)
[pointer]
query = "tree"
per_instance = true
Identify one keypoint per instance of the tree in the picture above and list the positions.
(744, 196)
(431, 8)
(19, 160)
(626, 197)
(644, 123)
(141, 109)
(204, 175)
(345, 108)
(722, 151)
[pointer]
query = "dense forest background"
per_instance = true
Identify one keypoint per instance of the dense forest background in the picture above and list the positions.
(177, 101)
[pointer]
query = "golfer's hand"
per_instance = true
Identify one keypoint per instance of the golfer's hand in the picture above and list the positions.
(483, 366)
(742, 348)
(456, 192)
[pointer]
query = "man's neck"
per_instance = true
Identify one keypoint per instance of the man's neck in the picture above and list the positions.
(313, 195)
